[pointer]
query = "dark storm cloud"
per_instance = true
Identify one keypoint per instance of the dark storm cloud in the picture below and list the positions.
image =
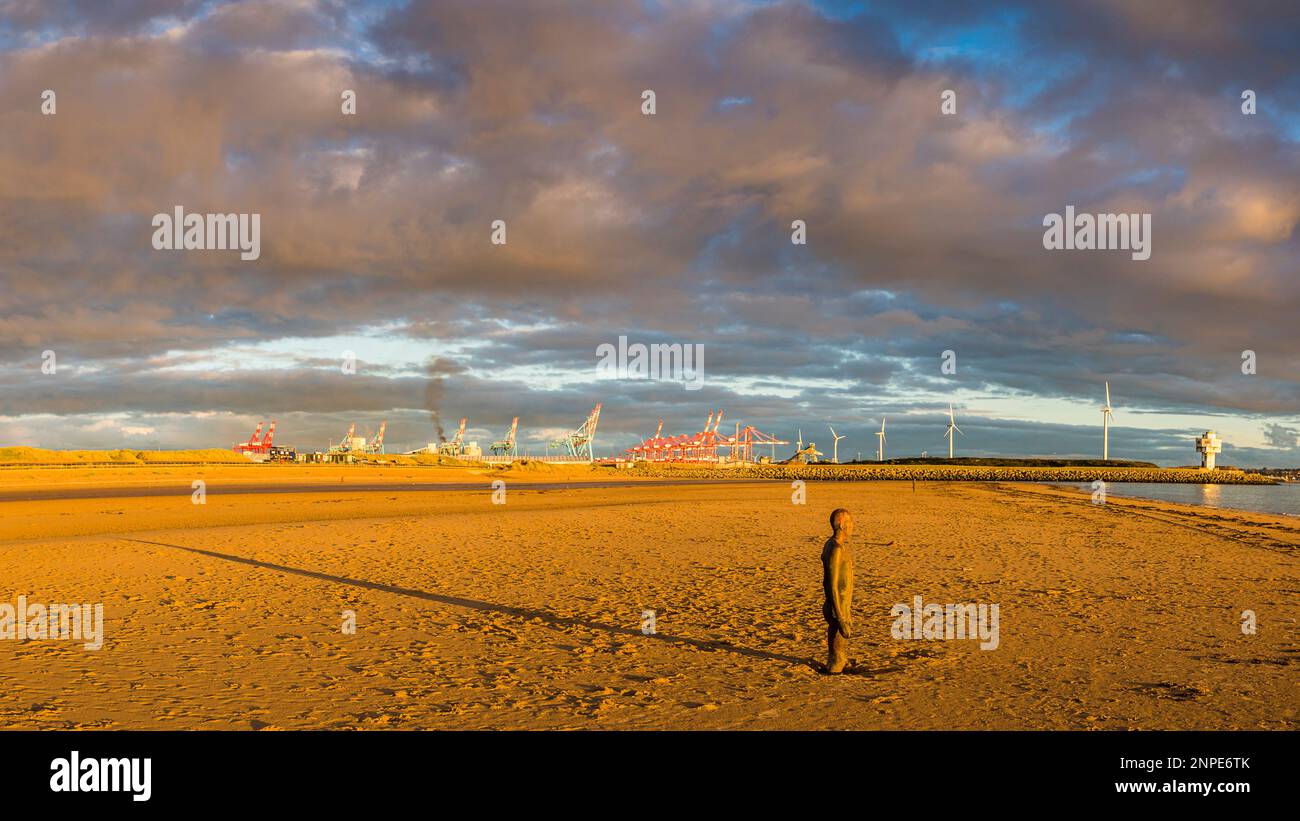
(1281, 436)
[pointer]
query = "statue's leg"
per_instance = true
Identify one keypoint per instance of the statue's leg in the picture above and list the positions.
(837, 649)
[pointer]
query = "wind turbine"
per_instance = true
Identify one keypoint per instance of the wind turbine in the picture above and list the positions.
(835, 449)
(952, 426)
(880, 444)
(1106, 417)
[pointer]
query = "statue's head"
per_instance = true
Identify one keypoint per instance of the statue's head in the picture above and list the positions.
(842, 522)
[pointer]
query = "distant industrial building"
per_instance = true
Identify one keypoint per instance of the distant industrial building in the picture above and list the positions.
(1208, 444)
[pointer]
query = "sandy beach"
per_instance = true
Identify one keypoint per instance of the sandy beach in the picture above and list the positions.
(529, 614)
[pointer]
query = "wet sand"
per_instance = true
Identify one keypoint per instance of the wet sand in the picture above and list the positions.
(529, 614)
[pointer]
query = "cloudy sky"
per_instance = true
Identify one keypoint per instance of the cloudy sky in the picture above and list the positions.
(924, 230)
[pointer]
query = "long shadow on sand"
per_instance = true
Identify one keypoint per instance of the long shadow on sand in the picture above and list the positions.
(474, 604)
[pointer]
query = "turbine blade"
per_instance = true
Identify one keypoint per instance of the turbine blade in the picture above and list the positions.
(959, 430)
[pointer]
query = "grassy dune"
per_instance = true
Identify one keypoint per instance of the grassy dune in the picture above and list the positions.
(433, 460)
(1002, 461)
(949, 473)
(40, 456)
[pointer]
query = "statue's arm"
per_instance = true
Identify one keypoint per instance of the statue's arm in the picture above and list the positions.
(835, 566)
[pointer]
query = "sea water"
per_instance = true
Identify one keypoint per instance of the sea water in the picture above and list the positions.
(1281, 498)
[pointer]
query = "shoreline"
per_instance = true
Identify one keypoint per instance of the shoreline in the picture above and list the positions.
(1121, 490)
